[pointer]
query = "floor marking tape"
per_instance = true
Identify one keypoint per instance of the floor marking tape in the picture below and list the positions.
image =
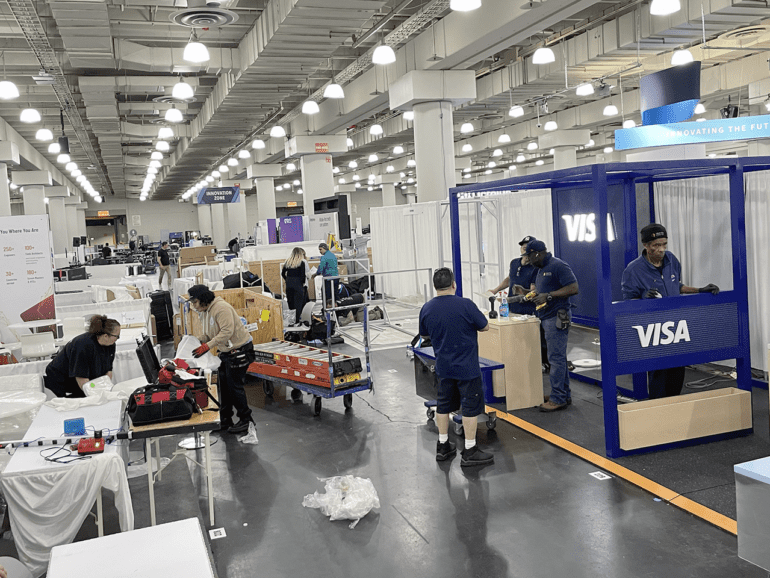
(664, 493)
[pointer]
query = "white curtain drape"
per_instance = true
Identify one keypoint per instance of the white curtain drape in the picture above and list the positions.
(696, 214)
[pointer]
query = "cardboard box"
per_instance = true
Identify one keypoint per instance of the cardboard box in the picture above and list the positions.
(672, 419)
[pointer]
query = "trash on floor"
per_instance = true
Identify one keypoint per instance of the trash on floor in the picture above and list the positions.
(346, 498)
(251, 437)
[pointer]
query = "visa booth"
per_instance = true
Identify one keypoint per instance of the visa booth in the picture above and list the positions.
(647, 334)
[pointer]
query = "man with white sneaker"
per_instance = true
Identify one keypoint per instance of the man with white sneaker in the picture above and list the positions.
(453, 323)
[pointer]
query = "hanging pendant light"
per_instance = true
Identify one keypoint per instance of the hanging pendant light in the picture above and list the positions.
(233, 162)
(532, 146)
(464, 5)
(398, 150)
(54, 148)
(610, 110)
(520, 158)
(155, 164)
(8, 90)
(334, 90)
(467, 147)
(375, 129)
(70, 166)
(383, 54)
(516, 111)
(411, 163)
(585, 89)
(700, 109)
(353, 165)
(503, 138)
(156, 156)
(543, 55)
(44, 135)
(497, 153)
(63, 159)
(162, 146)
(258, 144)
(244, 154)
(681, 57)
(165, 132)
(277, 131)
(182, 90)
(629, 123)
(409, 115)
(195, 51)
(664, 7)
(29, 115)
(223, 169)
(310, 107)
(174, 115)
(373, 158)
(466, 128)
(550, 125)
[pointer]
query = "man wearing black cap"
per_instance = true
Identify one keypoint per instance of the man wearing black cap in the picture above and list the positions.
(554, 284)
(520, 281)
(222, 328)
(658, 273)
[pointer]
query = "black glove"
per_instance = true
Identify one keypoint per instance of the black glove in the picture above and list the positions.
(710, 288)
(516, 299)
(651, 294)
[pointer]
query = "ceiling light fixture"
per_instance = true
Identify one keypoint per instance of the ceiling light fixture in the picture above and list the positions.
(608, 150)
(610, 110)
(466, 128)
(224, 168)
(375, 130)
(232, 162)
(353, 165)
(516, 111)
(543, 55)
(629, 123)
(8, 90)
(411, 163)
(584, 89)
(497, 153)
(520, 158)
(390, 169)
(383, 54)
(70, 166)
(398, 150)
(29, 115)
(540, 162)
(216, 174)
(373, 158)
(532, 146)
(182, 90)
(244, 154)
(503, 138)
(76, 173)
(291, 167)
(63, 158)
(156, 156)
(258, 144)
(700, 109)
(162, 146)
(44, 135)
(173, 115)
(165, 132)
(680, 57)
(464, 5)
(310, 107)
(277, 131)
(195, 51)
(664, 7)
(409, 115)
(54, 148)
(467, 147)
(550, 125)
(155, 164)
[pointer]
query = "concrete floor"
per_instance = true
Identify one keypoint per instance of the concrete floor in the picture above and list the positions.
(535, 513)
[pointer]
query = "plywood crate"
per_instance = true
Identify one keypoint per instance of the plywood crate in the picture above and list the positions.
(684, 417)
(250, 304)
(178, 330)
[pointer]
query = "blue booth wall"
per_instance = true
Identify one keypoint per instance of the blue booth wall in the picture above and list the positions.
(576, 231)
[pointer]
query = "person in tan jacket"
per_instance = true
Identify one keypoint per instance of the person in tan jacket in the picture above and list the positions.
(223, 329)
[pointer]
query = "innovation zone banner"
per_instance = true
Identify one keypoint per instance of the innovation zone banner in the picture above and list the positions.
(212, 195)
(749, 127)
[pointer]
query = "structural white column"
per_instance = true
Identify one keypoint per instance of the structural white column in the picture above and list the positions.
(34, 200)
(388, 183)
(263, 176)
(564, 143)
(317, 180)
(236, 212)
(757, 148)
(564, 158)
(5, 192)
(71, 208)
(204, 221)
(220, 233)
(432, 94)
(81, 208)
(57, 217)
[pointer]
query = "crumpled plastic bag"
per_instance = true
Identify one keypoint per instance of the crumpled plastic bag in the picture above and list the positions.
(185, 351)
(251, 437)
(346, 498)
(95, 386)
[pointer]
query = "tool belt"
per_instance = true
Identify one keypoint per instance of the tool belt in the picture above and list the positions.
(239, 357)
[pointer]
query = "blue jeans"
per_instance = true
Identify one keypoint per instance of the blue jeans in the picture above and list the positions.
(557, 357)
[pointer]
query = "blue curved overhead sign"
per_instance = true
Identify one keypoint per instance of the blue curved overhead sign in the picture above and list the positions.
(670, 95)
(214, 195)
(748, 127)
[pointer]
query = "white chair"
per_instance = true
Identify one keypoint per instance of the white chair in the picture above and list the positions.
(73, 327)
(14, 568)
(37, 345)
(305, 319)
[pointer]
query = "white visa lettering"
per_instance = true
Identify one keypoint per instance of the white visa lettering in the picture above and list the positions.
(582, 227)
(662, 333)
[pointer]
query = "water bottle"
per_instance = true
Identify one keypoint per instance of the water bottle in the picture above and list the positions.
(504, 309)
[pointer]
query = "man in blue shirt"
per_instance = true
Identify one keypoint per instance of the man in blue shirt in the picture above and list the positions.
(658, 273)
(520, 281)
(453, 323)
(554, 284)
(328, 268)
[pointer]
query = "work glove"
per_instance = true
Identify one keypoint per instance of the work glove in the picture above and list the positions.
(710, 288)
(651, 294)
(200, 351)
(516, 299)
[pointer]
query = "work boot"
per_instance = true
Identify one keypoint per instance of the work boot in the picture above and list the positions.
(548, 397)
(445, 451)
(347, 320)
(241, 427)
(476, 457)
(225, 424)
(549, 406)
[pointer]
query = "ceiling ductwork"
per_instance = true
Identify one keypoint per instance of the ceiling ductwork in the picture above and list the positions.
(202, 14)
(133, 56)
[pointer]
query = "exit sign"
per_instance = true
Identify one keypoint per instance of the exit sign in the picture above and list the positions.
(291, 204)
(103, 214)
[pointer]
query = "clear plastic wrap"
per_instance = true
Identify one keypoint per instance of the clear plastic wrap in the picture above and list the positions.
(346, 498)
(96, 386)
(185, 351)
(19, 402)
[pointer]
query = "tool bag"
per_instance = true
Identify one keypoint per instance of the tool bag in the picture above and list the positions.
(160, 403)
(180, 374)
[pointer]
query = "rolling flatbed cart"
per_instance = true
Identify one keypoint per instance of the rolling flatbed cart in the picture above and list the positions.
(319, 372)
(487, 366)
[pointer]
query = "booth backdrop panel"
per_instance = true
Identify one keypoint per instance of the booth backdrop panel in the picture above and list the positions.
(757, 241)
(575, 240)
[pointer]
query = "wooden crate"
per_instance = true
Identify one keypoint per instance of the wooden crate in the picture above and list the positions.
(684, 417)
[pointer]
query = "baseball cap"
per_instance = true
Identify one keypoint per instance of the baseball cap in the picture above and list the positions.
(653, 231)
(526, 240)
(196, 291)
(534, 246)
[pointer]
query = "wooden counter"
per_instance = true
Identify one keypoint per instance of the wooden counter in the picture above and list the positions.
(517, 345)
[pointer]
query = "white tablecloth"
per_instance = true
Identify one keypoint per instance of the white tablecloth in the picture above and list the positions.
(141, 282)
(47, 501)
(210, 272)
(179, 288)
(184, 554)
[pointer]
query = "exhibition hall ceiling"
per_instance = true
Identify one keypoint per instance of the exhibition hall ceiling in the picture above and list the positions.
(108, 69)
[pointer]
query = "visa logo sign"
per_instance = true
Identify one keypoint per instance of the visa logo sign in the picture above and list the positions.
(582, 228)
(662, 333)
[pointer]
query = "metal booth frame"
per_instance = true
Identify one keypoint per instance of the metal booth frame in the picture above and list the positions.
(619, 352)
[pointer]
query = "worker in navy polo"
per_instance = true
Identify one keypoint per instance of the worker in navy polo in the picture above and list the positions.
(658, 273)
(520, 281)
(453, 323)
(554, 285)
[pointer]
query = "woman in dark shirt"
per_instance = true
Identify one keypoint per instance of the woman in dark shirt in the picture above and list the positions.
(296, 273)
(86, 357)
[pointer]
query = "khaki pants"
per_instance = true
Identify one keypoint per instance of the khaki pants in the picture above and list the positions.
(164, 269)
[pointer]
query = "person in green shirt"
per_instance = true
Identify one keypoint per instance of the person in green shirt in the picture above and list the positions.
(328, 268)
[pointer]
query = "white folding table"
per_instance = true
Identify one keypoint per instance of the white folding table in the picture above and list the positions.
(173, 549)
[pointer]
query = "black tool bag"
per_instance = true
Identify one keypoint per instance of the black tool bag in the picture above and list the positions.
(160, 403)
(241, 357)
